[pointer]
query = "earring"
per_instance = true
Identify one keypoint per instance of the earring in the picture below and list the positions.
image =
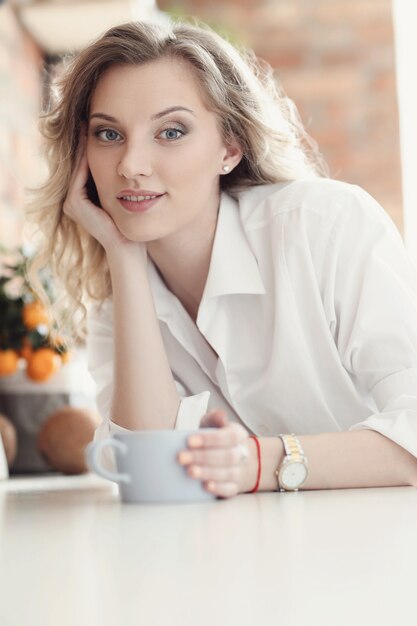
(226, 168)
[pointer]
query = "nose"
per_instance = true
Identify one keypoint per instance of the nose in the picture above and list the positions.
(135, 161)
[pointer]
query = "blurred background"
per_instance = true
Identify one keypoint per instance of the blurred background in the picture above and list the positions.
(347, 64)
(337, 59)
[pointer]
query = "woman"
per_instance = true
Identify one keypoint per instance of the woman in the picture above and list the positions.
(234, 285)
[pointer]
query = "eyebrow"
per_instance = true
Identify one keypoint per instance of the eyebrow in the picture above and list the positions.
(109, 118)
(171, 110)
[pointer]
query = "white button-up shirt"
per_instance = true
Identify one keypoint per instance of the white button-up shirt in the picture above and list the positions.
(311, 306)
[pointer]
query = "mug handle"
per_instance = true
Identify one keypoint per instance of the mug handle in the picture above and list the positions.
(92, 453)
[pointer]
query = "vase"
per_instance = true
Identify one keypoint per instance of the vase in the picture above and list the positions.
(27, 404)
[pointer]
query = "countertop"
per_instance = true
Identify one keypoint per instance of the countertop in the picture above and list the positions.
(71, 554)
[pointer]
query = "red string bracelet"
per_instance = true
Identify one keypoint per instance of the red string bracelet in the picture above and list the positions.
(258, 447)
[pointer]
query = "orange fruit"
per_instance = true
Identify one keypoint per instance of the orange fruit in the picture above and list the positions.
(42, 364)
(34, 314)
(8, 362)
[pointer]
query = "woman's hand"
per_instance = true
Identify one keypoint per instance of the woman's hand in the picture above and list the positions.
(78, 207)
(218, 459)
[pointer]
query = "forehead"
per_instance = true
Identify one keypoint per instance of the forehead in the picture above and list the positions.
(152, 85)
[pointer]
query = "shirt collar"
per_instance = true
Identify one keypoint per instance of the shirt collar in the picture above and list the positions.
(233, 267)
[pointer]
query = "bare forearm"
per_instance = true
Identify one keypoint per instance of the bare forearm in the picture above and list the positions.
(346, 460)
(144, 394)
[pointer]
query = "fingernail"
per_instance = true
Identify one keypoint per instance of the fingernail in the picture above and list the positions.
(185, 457)
(195, 441)
(196, 471)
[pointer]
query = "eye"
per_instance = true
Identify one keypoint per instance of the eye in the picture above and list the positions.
(107, 134)
(172, 134)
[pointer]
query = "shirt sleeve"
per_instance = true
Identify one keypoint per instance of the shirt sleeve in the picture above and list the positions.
(100, 364)
(374, 291)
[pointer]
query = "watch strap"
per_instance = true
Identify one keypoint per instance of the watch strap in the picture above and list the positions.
(292, 446)
(293, 452)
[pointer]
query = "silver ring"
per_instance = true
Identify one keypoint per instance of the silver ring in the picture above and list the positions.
(244, 452)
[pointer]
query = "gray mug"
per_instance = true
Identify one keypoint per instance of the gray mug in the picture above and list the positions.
(147, 466)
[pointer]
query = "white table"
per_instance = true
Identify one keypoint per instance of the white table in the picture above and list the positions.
(72, 555)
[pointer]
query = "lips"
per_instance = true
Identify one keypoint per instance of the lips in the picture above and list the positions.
(139, 198)
(138, 195)
(135, 203)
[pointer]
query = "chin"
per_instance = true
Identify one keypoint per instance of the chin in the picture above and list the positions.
(144, 234)
(137, 237)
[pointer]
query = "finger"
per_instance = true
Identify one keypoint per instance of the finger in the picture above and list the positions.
(216, 418)
(230, 435)
(77, 191)
(222, 490)
(79, 152)
(223, 457)
(80, 174)
(216, 474)
(80, 170)
(82, 142)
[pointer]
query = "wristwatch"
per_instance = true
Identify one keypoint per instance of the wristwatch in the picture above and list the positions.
(292, 473)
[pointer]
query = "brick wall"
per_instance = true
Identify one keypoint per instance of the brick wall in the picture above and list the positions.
(20, 93)
(335, 59)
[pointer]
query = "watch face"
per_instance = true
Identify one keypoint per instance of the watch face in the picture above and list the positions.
(293, 475)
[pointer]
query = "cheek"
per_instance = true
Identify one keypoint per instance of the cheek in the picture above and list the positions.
(201, 163)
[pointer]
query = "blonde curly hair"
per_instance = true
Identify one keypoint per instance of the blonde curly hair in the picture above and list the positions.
(239, 88)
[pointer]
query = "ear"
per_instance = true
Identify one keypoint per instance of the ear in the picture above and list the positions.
(233, 155)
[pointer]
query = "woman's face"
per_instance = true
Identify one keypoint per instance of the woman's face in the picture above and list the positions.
(150, 134)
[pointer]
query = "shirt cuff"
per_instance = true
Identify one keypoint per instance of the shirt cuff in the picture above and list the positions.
(394, 385)
(191, 411)
(396, 399)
